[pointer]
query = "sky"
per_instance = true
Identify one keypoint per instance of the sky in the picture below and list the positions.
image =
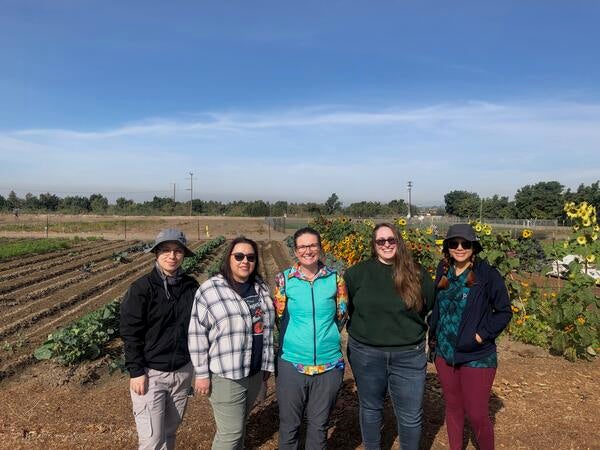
(296, 100)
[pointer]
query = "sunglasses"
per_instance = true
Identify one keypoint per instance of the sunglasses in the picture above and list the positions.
(251, 257)
(381, 242)
(454, 243)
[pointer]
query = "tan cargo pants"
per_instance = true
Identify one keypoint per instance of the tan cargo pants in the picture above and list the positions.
(159, 412)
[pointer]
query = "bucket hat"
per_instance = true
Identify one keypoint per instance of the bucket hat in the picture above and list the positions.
(171, 235)
(466, 232)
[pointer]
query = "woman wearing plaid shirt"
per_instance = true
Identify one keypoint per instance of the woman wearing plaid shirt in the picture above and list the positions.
(231, 341)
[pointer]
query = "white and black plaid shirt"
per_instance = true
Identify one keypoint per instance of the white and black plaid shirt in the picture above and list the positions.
(220, 332)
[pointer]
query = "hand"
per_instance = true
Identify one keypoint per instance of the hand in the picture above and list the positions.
(478, 339)
(139, 385)
(202, 386)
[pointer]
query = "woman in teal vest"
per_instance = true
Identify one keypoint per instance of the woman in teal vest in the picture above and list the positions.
(311, 305)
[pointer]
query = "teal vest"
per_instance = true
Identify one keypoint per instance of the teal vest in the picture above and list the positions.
(309, 332)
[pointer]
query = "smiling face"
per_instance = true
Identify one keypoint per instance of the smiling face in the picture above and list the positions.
(241, 270)
(386, 245)
(307, 250)
(169, 257)
(460, 255)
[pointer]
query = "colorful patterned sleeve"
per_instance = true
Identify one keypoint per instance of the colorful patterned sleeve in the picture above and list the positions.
(341, 301)
(279, 297)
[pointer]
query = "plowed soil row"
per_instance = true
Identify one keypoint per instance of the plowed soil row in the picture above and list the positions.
(22, 261)
(26, 326)
(55, 268)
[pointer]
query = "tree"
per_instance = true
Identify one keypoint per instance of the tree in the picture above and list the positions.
(49, 201)
(462, 203)
(2, 203)
(398, 207)
(333, 204)
(123, 204)
(497, 207)
(364, 209)
(590, 194)
(75, 204)
(31, 202)
(98, 203)
(543, 200)
(13, 201)
(279, 208)
(256, 208)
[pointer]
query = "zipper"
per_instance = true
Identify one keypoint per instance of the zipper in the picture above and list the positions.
(312, 294)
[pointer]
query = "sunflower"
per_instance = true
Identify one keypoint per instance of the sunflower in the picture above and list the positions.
(527, 233)
(581, 240)
(590, 258)
(586, 222)
(402, 222)
(429, 230)
(478, 227)
(594, 236)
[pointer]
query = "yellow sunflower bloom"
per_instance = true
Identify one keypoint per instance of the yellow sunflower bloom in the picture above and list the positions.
(402, 222)
(527, 233)
(594, 236)
(586, 222)
(581, 240)
(429, 230)
(590, 258)
(478, 227)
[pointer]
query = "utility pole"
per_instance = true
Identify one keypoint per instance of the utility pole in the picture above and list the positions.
(174, 184)
(191, 189)
(409, 187)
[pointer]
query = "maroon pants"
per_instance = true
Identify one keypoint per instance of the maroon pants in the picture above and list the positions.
(467, 392)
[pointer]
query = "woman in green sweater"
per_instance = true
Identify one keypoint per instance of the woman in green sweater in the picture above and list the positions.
(389, 297)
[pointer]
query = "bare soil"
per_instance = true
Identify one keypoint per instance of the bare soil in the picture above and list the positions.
(538, 401)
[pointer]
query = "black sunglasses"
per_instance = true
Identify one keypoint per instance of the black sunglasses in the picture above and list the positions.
(454, 243)
(381, 242)
(251, 257)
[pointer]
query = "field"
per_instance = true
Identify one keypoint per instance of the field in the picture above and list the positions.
(539, 400)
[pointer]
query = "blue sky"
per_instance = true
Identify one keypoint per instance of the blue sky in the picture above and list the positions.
(296, 100)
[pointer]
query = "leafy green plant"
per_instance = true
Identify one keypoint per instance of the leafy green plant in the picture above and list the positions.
(191, 264)
(82, 339)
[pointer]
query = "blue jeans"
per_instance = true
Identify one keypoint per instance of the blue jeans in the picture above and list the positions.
(402, 374)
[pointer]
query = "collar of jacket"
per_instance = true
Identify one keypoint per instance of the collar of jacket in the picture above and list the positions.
(322, 272)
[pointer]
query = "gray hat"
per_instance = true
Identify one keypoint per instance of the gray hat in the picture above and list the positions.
(171, 235)
(465, 231)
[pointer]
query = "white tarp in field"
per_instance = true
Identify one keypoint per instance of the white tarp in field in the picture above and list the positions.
(560, 267)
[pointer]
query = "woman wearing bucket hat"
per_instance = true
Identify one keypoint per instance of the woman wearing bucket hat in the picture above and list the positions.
(472, 308)
(155, 314)
(390, 296)
(231, 341)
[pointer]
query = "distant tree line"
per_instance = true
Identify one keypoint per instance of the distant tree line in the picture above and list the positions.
(543, 200)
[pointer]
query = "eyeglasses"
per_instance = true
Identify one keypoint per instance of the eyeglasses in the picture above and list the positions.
(381, 242)
(251, 257)
(303, 248)
(454, 243)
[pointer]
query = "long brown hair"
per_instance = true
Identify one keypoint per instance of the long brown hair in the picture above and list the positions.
(447, 261)
(406, 271)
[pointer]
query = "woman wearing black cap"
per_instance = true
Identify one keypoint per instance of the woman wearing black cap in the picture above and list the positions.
(472, 308)
(155, 315)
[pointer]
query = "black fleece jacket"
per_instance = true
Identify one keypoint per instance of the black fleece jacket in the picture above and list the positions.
(153, 328)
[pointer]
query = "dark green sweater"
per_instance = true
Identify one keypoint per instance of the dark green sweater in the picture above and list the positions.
(378, 316)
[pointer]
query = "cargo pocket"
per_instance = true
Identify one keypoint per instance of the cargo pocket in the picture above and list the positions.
(143, 422)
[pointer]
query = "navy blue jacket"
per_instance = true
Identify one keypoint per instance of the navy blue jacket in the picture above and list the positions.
(487, 313)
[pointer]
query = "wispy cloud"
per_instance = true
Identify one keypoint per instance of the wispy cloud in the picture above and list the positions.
(503, 145)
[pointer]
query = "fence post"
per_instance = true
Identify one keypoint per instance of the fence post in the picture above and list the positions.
(47, 225)
(125, 226)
